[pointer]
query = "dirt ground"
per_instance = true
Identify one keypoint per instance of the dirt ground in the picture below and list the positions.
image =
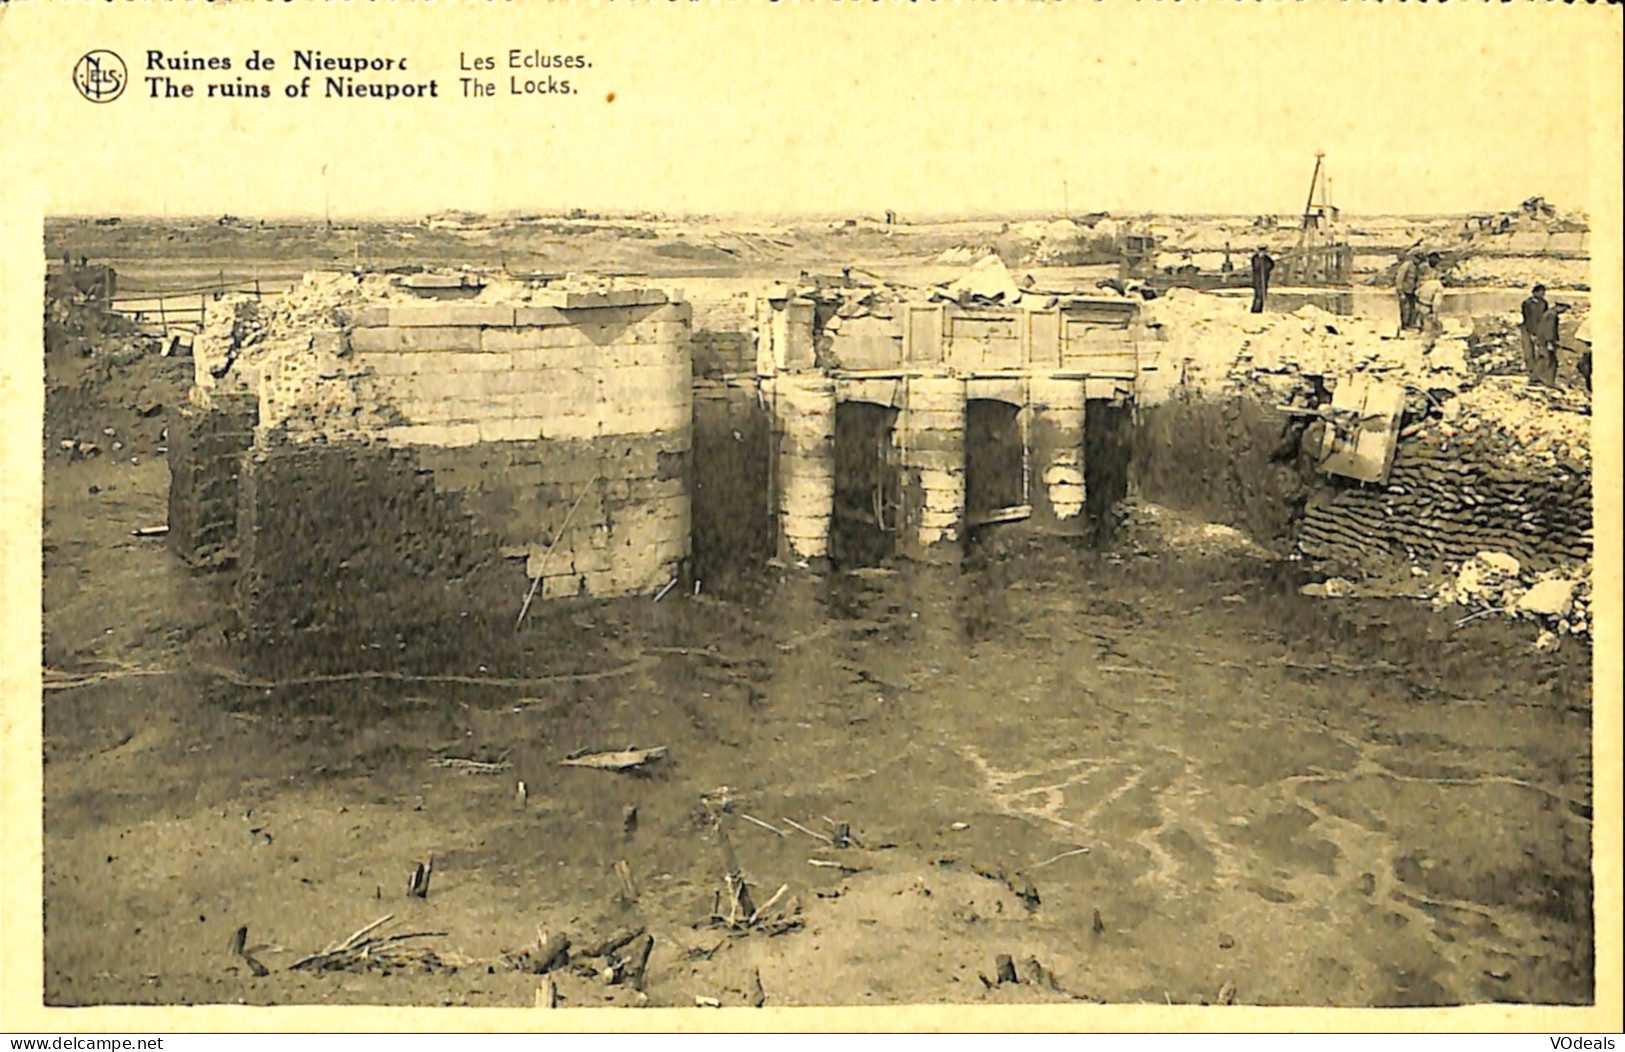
(1283, 800)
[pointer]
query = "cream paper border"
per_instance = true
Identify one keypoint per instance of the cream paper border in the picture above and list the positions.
(40, 113)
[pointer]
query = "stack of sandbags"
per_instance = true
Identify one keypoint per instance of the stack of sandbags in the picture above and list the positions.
(1446, 503)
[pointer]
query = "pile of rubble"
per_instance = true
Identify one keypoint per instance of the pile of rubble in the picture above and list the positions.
(1497, 583)
(1484, 463)
(1216, 346)
(1522, 272)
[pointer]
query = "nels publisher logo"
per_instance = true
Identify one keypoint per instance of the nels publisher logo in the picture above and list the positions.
(100, 76)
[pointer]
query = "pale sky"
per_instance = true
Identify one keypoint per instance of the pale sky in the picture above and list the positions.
(802, 108)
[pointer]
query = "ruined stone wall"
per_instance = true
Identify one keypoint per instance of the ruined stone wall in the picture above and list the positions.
(205, 463)
(416, 465)
(927, 360)
(724, 336)
(804, 406)
(933, 426)
(352, 557)
(1057, 459)
(565, 429)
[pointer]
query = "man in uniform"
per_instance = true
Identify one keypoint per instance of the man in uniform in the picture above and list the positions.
(1262, 265)
(1535, 309)
(1430, 306)
(1546, 338)
(1406, 280)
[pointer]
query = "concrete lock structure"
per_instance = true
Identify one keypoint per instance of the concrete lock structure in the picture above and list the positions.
(378, 454)
(369, 455)
(902, 426)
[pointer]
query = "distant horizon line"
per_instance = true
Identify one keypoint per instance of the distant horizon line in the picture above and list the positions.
(657, 214)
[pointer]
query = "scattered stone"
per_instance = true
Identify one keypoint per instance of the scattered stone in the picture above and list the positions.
(1552, 598)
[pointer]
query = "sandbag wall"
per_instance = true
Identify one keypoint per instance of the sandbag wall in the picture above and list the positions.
(1448, 499)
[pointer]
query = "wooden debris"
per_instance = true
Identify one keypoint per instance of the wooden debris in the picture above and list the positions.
(761, 910)
(732, 906)
(149, 531)
(240, 948)
(548, 953)
(623, 760)
(552, 952)
(775, 830)
(801, 828)
(1227, 993)
(1025, 890)
(1020, 885)
(631, 964)
(702, 1001)
(1057, 858)
(1038, 975)
(846, 869)
(364, 951)
(758, 996)
(605, 947)
(418, 885)
(547, 994)
(467, 766)
(521, 796)
(629, 890)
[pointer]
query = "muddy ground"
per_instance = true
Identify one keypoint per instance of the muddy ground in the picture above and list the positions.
(1284, 800)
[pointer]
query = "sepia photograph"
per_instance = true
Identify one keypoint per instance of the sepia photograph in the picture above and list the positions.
(1094, 508)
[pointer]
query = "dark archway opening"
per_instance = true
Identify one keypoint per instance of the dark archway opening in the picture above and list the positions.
(1108, 445)
(868, 485)
(995, 463)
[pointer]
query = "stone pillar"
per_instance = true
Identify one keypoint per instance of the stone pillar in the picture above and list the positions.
(806, 418)
(1057, 484)
(933, 456)
(785, 336)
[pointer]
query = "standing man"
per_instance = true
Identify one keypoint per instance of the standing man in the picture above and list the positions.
(1546, 337)
(1406, 280)
(1534, 310)
(1430, 307)
(1262, 265)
